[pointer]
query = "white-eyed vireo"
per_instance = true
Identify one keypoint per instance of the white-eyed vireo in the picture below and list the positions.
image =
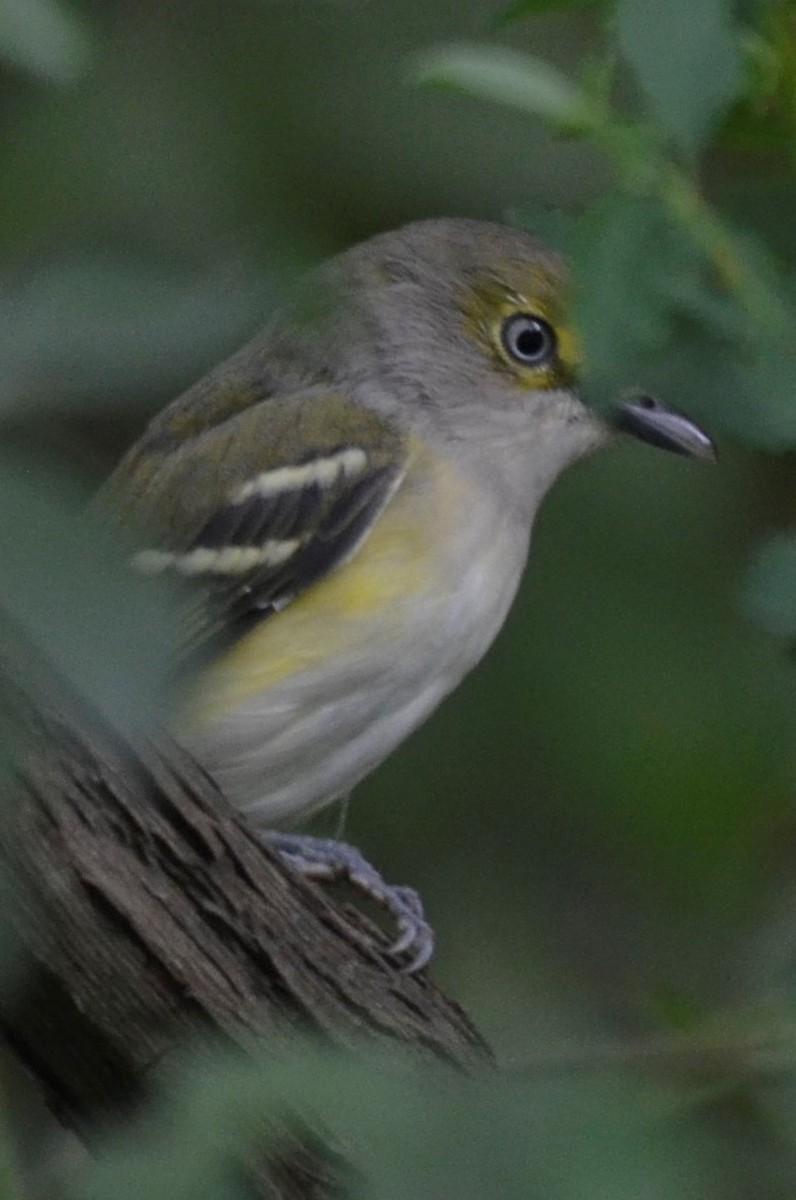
(351, 496)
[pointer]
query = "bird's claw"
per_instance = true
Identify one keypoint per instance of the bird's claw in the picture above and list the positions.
(326, 859)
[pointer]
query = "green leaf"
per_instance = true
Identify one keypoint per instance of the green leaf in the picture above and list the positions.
(507, 77)
(769, 594)
(647, 315)
(765, 408)
(118, 328)
(442, 1138)
(562, 230)
(743, 369)
(68, 590)
(628, 253)
(686, 55)
(523, 9)
(44, 38)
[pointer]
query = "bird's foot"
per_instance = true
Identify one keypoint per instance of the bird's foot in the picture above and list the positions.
(326, 859)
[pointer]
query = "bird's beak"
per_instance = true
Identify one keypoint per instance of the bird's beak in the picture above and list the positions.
(650, 420)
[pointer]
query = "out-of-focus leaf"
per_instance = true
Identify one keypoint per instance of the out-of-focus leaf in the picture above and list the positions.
(769, 594)
(620, 308)
(561, 230)
(647, 314)
(67, 586)
(628, 252)
(765, 116)
(749, 265)
(765, 402)
(743, 370)
(687, 59)
(118, 329)
(523, 9)
(44, 37)
(508, 77)
(406, 1132)
(75, 624)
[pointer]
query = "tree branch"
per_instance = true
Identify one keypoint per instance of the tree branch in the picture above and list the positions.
(150, 913)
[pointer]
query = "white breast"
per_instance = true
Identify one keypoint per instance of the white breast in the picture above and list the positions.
(361, 681)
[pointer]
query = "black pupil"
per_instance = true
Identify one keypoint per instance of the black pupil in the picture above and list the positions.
(529, 339)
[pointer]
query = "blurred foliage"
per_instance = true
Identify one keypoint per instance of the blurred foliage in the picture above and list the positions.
(66, 581)
(445, 1137)
(657, 244)
(43, 37)
(770, 592)
(601, 819)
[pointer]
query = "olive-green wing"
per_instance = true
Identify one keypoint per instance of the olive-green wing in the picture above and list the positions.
(258, 508)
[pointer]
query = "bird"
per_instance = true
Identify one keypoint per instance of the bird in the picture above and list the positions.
(347, 503)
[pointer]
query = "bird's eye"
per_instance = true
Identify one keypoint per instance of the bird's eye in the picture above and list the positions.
(529, 340)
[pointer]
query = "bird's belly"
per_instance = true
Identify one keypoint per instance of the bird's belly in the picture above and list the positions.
(279, 770)
(318, 695)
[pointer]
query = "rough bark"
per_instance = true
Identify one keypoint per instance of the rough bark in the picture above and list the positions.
(149, 913)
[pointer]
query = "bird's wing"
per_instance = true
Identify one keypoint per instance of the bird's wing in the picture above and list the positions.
(248, 519)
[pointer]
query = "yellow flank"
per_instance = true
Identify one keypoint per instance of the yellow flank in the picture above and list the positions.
(370, 600)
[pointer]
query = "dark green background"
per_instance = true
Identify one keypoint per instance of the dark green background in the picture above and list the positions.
(601, 819)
